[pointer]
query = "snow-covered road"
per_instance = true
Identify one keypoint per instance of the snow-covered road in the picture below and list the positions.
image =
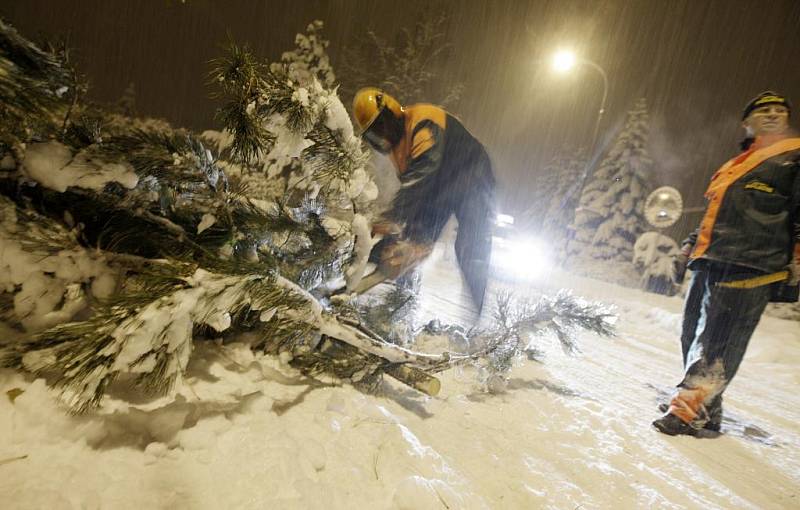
(571, 432)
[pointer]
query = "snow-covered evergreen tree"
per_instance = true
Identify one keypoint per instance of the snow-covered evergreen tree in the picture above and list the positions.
(289, 139)
(309, 60)
(653, 255)
(556, 195)
(408, 67)
(180, 246)
(610, 216)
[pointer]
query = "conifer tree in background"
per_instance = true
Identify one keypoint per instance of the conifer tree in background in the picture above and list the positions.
(556, 195)
(653, 256)
(610, 216)
(127, 241)
(407, 68)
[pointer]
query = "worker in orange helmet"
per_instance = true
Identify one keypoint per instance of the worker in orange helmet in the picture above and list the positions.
(443, 170)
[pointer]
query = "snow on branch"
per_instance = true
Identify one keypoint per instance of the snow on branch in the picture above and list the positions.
(147, 334)
(496, 350)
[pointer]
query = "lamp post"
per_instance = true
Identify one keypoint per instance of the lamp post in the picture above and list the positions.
(563, 61)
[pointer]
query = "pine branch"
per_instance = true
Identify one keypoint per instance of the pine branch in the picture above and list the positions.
(254, 93)
(37, 233)
(146, 333)
(34, 84)
(239, 76)
(329, 159)
(176, 158)
(390, 316)
(497, 349)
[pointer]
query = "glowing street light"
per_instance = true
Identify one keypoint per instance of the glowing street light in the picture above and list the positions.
(563, 61)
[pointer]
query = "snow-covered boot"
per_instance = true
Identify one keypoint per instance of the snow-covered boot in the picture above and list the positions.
(714, 422)
(672, 425)
(686, 413)
(714, 411)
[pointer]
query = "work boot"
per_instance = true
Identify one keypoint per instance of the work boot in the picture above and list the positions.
(672, 425)
(714, 410)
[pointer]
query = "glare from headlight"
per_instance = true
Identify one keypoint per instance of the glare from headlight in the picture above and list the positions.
(521, 259)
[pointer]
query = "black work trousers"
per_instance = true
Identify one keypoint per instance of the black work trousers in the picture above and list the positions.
(717, 325)
(468, 192)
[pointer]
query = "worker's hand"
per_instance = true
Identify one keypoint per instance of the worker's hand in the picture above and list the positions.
(794, 273)
(386, 228)
(398, 258)
(679, 263)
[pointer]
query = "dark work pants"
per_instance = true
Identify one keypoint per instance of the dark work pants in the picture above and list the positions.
(717, 325)
(467, 192)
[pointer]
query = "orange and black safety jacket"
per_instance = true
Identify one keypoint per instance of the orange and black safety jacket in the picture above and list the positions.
(443, 170)
(753, 214)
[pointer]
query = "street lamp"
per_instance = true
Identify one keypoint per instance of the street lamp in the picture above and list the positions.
(563, 61)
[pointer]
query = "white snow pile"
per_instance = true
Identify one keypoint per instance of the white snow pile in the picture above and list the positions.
(653, 254)
(53, 165)
(245, 431)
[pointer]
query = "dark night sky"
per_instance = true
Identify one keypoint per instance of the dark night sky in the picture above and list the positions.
(696, 61)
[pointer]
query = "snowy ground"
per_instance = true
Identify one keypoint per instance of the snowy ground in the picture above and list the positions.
(570, 432)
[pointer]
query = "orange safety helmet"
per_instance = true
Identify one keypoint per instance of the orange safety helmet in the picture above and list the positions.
(368, 103)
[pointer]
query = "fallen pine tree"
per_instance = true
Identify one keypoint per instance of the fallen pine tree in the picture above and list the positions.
(125, 241)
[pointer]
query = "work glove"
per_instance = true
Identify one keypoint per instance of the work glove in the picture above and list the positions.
(386, 228)
(398, 258)
(679, 263)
